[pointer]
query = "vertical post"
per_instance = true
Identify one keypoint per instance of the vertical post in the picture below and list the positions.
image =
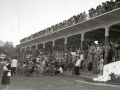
(36, 46)
(25, 49)
(65, 43)
(53, 45)
(43, 46)
(106, 40)
(21, 49)
(30, 48)
(82, 41)
(106, 35)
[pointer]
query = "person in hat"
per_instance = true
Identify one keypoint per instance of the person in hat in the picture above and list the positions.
(6, 75)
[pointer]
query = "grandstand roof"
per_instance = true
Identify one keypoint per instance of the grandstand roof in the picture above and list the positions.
(103, 20)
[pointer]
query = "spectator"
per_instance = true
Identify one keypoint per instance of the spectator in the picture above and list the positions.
(73, 66)
(101, 64)
(84, 16)
(14, 66)
(6, 75)
(117, 3)
(81, 58)
(61, 70)
(95, 61)
(110, 54)
(77, 66)
(90, 59)
(103, 8)
(70, 62)
(32, 70)
(80, 17)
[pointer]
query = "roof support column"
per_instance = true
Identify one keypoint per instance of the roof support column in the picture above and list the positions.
(106, 41)
(43, 46)
(65, 43)
(82, 41)
(25, 49)
(36, 46)
(53, 45)
(30, 48)
(21, 49)
(106, 35)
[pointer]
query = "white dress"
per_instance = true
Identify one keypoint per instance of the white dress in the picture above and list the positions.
(101, 64)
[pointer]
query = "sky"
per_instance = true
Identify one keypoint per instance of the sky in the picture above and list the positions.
(21, 18)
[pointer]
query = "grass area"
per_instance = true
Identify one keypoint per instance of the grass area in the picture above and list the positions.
(111, 82)
(114, 81)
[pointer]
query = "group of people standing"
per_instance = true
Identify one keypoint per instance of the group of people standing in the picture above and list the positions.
(59, 59)
(100, 55)
(96, 55)
(40, 65)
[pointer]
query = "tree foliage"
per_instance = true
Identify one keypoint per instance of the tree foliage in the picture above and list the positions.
(8, 49)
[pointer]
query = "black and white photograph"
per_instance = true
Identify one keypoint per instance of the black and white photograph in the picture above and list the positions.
(60, 44)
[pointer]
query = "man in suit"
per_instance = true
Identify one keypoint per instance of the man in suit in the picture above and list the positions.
(77, 66)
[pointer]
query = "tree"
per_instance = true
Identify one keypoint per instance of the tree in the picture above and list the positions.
(8, 49)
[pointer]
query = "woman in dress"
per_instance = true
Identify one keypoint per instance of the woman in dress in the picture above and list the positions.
(6, 75)
(101, 64)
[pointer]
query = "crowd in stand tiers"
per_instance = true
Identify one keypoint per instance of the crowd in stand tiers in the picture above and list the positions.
(100, 9)
(93, 57)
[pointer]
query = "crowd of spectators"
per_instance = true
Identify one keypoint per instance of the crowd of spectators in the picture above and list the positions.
(59, 60)
(100, 9)
(95, 56)
(100, 55)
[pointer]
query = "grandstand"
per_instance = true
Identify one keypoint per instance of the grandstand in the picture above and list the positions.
(101, 24)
